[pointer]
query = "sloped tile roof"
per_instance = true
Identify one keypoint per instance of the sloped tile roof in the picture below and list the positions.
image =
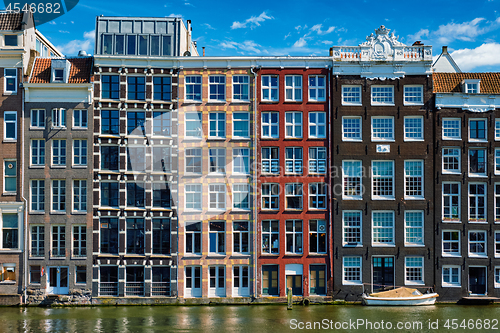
(80, 71)
(451, 82)
(11, 21)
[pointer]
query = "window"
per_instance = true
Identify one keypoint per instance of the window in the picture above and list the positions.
(382, 128)
(136, 159)
(10, 81)
(317, 125)
(161, 195)
(497, 129)
(293, 236)
(477, 202)
(477, 243)
(241, 88)
(161, 236)
(80, 119)
(217, 160)
(413, 95)
(193, 237)
(241, 196)
(35, 274)
(477, 130)
(10, 231)
(110, 87)
(162, 159)
(162, 88)
(351, 270)
(414, 270)
(58, 241)
(293, 125)
(80, 152)
(38, 195)
(477, 162)
(135, 195)
(38, 118)
(270, 160)
(193, 281)
(109, 235)
(193, 88)
(497, 202)
(414, 129)
(7, 272)
(10, 125)
(270, 88)
(135, 123)
(497, 161)
(79, 241)
(451, 201)
(414, 184)
(383, 180)
(317, 88)
(217, 88)
(317, 236)
(451, 129)
(414, 228)
(10, 40)
(217, 281)
(135, 235)
(217, 125)
(217, 237)
(58, 118)
(317, 195)
(497, 244)
(270, 237)
(241, 160)
(119, 44)
(293, 196)
(107, 44)
(382, 228)
(241, 125)
(10, 176)
(110, 122)
(79, 195)
(351, 129)
(136, 88)
(193, 196)
(217, 196)
(471, 86)
(143, 44)
(352, 172)
(241, 237)
(162, 123)
(270, 196)
(80, 274)
(293, 88)
(193, 160)
(352, 228)
(110, 158)
(451, 276)
(110, 194)
(293, 160)
(58, 152)
(270, 125)
(351, 95)
(193, 124)
(497, 277)
(58, 195)
(382, 95)
(317, 160)
(451, 160)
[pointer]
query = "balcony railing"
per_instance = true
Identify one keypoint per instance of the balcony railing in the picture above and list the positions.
(160, 289)
(134, 289)
(108, 289)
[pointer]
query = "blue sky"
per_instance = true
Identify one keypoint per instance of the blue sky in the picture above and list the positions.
(471, 30)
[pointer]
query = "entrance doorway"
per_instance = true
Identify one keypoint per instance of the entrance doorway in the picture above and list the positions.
(58, 280)
(477, 280)
(383, 272)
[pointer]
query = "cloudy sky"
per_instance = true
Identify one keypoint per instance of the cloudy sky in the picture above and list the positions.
(470, 30)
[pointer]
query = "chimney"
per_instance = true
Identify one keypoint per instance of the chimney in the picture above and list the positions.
(331, 51)
(418, 43)
(189, 35)
(445, 50)
(203, 50)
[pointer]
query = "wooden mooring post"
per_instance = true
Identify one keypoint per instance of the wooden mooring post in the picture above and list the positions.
(289, 297)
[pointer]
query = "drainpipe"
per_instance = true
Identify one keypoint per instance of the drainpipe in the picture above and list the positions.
(25, 210)
(255, 202)
(329, 175)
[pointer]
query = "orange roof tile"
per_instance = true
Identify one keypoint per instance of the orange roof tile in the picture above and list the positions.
(80, 71)
(451, 82)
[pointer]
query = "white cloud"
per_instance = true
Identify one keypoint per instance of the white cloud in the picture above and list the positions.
(63, 32)
(175, 15)
(300, 43)
(288, 35)
(248, 45)
(208, 26)
(418, 35)
(74, 46)
(317, 28)
(484, 55)
(52, 22)
(326, 42)
(299, 27)
(253, 21)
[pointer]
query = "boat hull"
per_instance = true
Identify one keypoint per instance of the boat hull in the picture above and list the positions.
(426, 299)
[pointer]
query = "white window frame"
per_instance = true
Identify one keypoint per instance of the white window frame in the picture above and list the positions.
(270, 88)
(36, 153)
(197, 119)
(294, 87)
(195, 190)
(19, 227)
(451, 153)
(294, 190)
(476, 219)
(496, 243)
(293, 125)
(354, 265)
(412, 184)
(383, 95)
(5, 77)
(497, 129)
(318, 195)
(241, 120)
(273, 194)
(81, 153)
(469, 243)
(409, 266)
(40, 119)
(320, 229)
(270, 125)
(496, 158)
(241, 190)
(80, 190)
(7, 163)
(271, 234)
(239, 235)
(496, 276)
(273, 164)
(413, 96)
(243, 156)
(37, 193)
(412, 228)
(59, 118)
(218, 155)
(241, 81)
(451, 284)
(451, 252)
(214, 237)
(317, 165)
(377, 177)
(485, 121)
(220, 129)
(217, 197)
(60, 243)
(61, 158)
(317, 125)
(350, 227)
(478, 174)
(351, 94)
(314, 86)
(375, 135)
(9, 122)
(451, 122)
(79, 114)
(294, 165)
(217, 276)
(216, 81)
(81, 248)
(350, 133)
(296, 233)
(193, 237)
(162, 121)
(472, 86)
(451, 195)
(352, 169)
(60, 197)
(407, 133)
(496, 193)
(193, 85)
(36, 251)
(381, 229)
(193, 155)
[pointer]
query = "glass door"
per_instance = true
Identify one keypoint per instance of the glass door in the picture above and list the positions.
(383, 273)
(58, 281)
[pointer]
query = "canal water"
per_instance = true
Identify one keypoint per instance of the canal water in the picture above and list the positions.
(255, 319)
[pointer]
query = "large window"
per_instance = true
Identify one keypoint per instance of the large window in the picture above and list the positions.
(270, 196)
(352, 175)
(270, 237)
(317, 88)
(382, 128)
(38, 118)
(270, 88)
(217, 237)
(496, 239)
(241, 125)
(451, 243)
(135, 123)
(414, 228)
(162, 88)
(351, 129)
(80, 152)
(497, 202)
(162, 123)
(351, 95)
(10, 176)
(293, 196)
(10, 81)
(241, 160)
(136, 195)
(193, 159)
(136, 159)
(135, 235)
(58, 195)
(110, 194)
(317, 236)
(162, 159)
(352, 228)
(414, 270)
(477, 243)
(451, 160)
(317, 160)
(317, 125)
(451, 201)
(414, 183)
(293, 125)
(79, 241)
(351, 270)
(193, 124)
(59, 152)
(37, 241)
(477, 130)
(110, 122)
(293, 88)
(217, 160)
(161, 195)
(241, 196)
(270, 125)
(414, 128)
(79, 195)
(477, 202)
(413, 95)
(317, 195)
(241, 237)
(193, 196)
(477, 162)
(80, 119)
(10, 125)
(382, 95)
(110, 87)
(451, 276)
(270, 160)
(193, 237)
(193, 88)
(217, 125)
(109, 235)
(10, 231)
(217, 88)
(59, 118)
(58, 241)
(136, 88)
(497, 161)
(382, 228)
(217, 196)
(37, 195)
(451, 128)
(293, 160)
(293, 236)
(161, 236)
(383, 180)
(241, 88)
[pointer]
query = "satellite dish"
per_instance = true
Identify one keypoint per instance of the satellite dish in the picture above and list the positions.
(187, 54)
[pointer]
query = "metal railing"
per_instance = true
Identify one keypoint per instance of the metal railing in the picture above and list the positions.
(108, 289)
(134, 289)
(160, 289)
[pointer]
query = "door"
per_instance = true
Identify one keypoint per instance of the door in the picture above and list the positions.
(317, 282)
(193, 281)
(294, 282)
(477, 280)
(217, 281)
(383, 272)
(58, 280)
(270, 280)
(241, 281)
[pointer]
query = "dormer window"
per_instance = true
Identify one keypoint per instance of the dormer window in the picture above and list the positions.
(471, 86)
(58, 75)
(60, 70)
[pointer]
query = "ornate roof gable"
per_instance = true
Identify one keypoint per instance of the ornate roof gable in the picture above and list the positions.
(382, 45)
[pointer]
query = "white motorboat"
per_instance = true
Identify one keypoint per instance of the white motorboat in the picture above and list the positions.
(400, 296)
